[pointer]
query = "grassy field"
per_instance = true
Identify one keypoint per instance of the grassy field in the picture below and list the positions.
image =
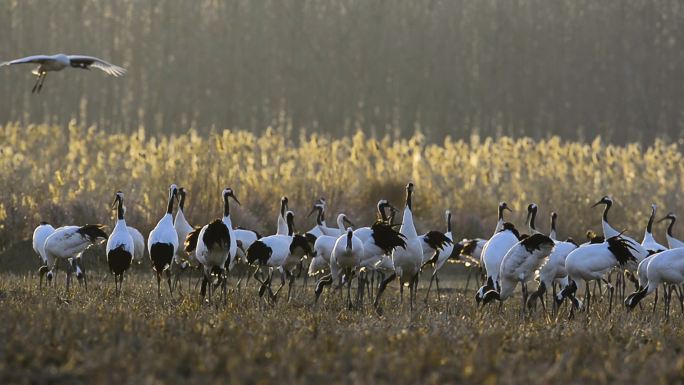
(49, 336)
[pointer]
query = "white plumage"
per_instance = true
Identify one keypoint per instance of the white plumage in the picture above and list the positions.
(120, 246)
(183, 228)
(50, 63)
(40, 234)
(519, 265)
(666, 267)
(162, 242)
(493, 253)
(69, 242)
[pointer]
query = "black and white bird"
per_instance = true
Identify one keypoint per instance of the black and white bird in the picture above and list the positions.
(519, 265)
(210, 245)
(666, 267)
(51, 63)
(232, 258)
(282, 222)
(443, 249)
(363, 233)
(282, 252)
(163, 242)
(408, 260)
(553, 271)
(345, 260)
(500, 222)
(120, 246)
(637, 251)
(672, 242)
(69, 242)
(552, 234)
(593, 261)
(183, 228)
(652, 246)
(493, 253)
(323, 247)
(40, 234)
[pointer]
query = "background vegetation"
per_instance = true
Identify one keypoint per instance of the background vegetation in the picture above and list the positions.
(68, 175)
(573, 68)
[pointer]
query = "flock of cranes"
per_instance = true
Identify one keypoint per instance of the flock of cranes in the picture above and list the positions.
(337, 255)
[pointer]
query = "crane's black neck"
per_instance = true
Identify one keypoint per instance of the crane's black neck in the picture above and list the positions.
(501, 211)
(319, 217)
(605, 211)
(533, 214)
(349, 240)
(290, 225)
(226, 206)
(181, 204)
(553, 222)
(649, 226)
(283, 207)
(120, 209)
(671, 226)
(449, 223)
(409, 199)
(169, 207)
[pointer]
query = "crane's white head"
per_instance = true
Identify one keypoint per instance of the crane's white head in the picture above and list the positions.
(316, 207)
(606, 200)
(342, 218)
(228, 193)
(173, 191)
(118, 197)
(504, 206)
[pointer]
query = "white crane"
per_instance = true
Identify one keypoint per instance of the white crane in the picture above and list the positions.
(493, 253)
(407, 261)
(553, 271)
(323, 247)
(345, 259)
(635, 248)
(69, 242)
(282, 252)
(592, 262)
(162, 242)
(49, 63)
(442, 250)
(652, 246)
(500, 222)
(552, 233)
(672, 242)
(666, 267)
(40, 234)
(211, 245)
(183, 228)
(120, 246)
(228, 193)
(282, 223)
(519, 265)
(363, 233)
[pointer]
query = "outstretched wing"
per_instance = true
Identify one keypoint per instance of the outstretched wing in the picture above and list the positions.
(80, 61)
(38, 59)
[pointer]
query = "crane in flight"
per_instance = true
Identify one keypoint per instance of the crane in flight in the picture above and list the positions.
(61, 61)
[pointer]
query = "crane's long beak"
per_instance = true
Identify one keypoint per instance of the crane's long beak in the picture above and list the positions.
(597, 203)
(235, 199)
(508, 208)
(116, 199)
(345, 219)
(312, 211)
(661, 219)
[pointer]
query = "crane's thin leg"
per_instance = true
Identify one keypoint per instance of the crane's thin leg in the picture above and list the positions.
(42, 80)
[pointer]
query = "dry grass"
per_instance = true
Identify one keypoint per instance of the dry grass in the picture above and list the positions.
(68, 175)
(89, 338)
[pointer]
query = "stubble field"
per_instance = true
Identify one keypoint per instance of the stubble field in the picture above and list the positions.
(50, 336)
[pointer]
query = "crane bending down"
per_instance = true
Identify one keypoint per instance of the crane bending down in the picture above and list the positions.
(61, 61)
